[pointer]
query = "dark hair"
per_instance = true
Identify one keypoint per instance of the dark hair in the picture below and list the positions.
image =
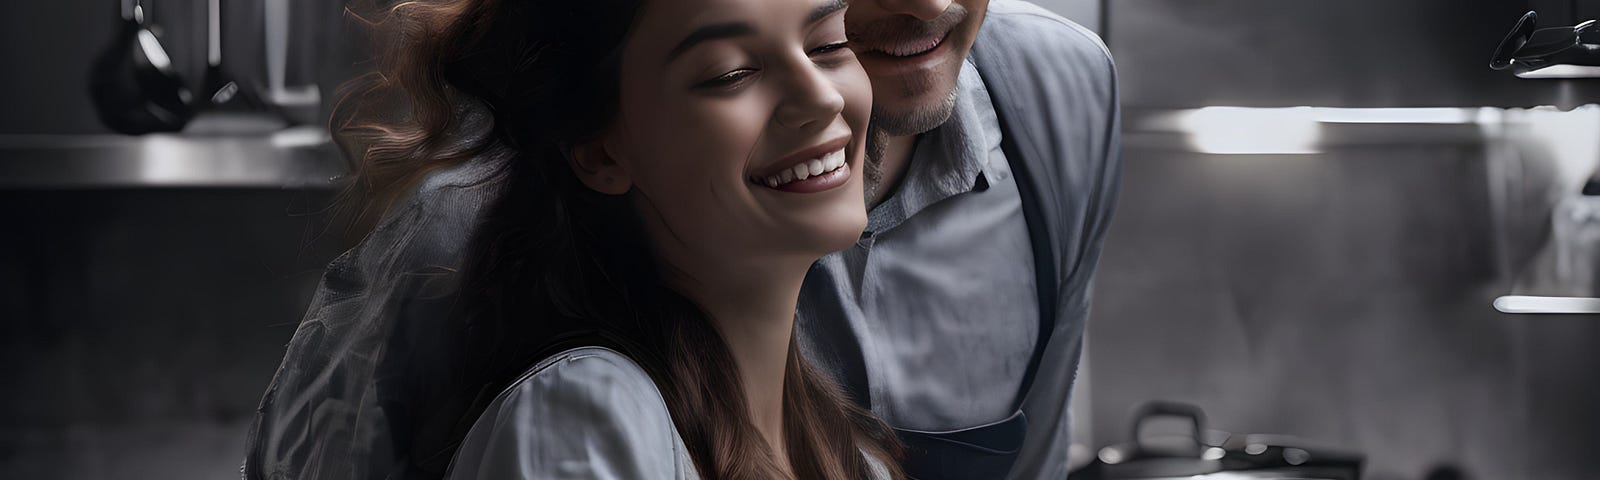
(554, 264)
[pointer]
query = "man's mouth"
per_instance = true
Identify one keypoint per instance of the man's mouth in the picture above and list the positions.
(904, 36)
(912, 47)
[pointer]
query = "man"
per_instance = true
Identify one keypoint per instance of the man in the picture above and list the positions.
(958, 317)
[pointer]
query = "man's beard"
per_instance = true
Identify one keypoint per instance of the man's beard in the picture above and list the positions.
(884, 126)
(896, 29)
(872, 166)
(917, 120)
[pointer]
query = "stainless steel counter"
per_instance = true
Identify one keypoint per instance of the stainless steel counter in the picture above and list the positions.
(218, 152)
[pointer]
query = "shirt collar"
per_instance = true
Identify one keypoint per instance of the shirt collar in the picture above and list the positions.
(948, 160)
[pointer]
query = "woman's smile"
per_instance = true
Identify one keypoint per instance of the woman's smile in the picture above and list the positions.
(815, 169)
(832, 170)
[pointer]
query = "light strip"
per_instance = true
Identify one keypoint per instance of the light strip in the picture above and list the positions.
(1562, 71)
(1246, 131)
(1559, 305)
(1432, 115)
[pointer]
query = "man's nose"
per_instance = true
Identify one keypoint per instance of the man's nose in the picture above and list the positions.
(925, 10)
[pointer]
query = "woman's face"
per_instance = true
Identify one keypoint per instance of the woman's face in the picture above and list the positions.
(741, 127)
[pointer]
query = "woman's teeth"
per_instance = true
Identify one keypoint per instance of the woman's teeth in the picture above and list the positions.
(804, 170)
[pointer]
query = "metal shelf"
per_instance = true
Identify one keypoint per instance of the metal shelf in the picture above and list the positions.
(221, 152)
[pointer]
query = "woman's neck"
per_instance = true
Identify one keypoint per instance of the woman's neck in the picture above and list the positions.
(754, 314)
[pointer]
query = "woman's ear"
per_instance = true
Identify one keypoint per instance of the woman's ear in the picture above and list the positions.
(598, 168)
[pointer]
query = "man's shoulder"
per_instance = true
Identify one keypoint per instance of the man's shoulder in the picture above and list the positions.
(1054, 82)
(432, 226)
(1040, 39)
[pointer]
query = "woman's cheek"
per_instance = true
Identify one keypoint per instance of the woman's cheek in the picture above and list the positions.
(727, 133)
(856, 88)
(702, 146)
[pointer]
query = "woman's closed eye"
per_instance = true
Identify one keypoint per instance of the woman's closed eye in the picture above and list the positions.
(830, 55)
(729, 80)
(826, 55)
(827, 49)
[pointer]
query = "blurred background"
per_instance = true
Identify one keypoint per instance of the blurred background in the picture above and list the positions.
(1321, 202)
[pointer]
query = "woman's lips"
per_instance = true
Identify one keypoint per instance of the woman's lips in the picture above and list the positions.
(812, 175)
(828, 180)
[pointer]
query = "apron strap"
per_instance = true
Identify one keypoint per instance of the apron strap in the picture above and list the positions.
(990, 451)
(1030, 187)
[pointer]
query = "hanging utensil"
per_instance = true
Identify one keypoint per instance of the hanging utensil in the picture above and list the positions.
(221, 88)
(133, 84)
(1556, 52)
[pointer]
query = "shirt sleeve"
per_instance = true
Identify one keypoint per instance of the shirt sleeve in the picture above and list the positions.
(589, 414)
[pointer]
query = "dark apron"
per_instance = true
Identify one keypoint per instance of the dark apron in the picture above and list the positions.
(989, 451)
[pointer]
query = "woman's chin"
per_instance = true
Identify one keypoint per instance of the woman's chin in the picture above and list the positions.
(834, 232)
(823, 222)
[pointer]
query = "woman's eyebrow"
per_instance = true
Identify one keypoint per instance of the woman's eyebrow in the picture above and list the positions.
(719, 31)
(822, 11)
(710, 32)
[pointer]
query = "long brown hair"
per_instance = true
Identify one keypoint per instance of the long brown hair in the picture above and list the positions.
(554, 264)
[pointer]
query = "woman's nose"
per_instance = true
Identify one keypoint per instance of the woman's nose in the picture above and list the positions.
(809, 97)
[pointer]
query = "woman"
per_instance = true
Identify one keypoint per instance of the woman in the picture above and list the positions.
(676, 167)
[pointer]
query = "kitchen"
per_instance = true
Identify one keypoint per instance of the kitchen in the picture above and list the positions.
(1322, 206)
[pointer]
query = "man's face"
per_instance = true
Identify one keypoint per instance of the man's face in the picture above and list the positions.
(912, 50)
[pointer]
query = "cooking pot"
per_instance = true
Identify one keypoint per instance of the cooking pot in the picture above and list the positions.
(1236, 457)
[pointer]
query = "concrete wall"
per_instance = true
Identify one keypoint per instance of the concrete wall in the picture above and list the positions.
(1342, 297)
(1359, 53)
(1345, 296)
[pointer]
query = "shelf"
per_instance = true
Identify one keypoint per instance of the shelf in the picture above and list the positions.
(220, 152)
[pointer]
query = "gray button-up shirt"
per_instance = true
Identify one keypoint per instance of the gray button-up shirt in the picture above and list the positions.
(589, 412)
(934, 312)
(934, 317)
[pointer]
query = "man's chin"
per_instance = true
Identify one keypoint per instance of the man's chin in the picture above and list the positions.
(916, 114)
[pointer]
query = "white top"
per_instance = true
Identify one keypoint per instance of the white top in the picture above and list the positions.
(588, 413)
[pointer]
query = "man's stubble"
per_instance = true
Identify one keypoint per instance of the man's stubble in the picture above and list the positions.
(886, 125)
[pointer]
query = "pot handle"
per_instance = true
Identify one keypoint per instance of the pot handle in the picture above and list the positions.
(1161, 408)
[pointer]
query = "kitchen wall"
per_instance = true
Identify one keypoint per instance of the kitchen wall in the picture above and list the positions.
(48, 47)
(1342, 293)
(46, 90)
(1358, 53)
(1084, 12)
(1342, 297)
